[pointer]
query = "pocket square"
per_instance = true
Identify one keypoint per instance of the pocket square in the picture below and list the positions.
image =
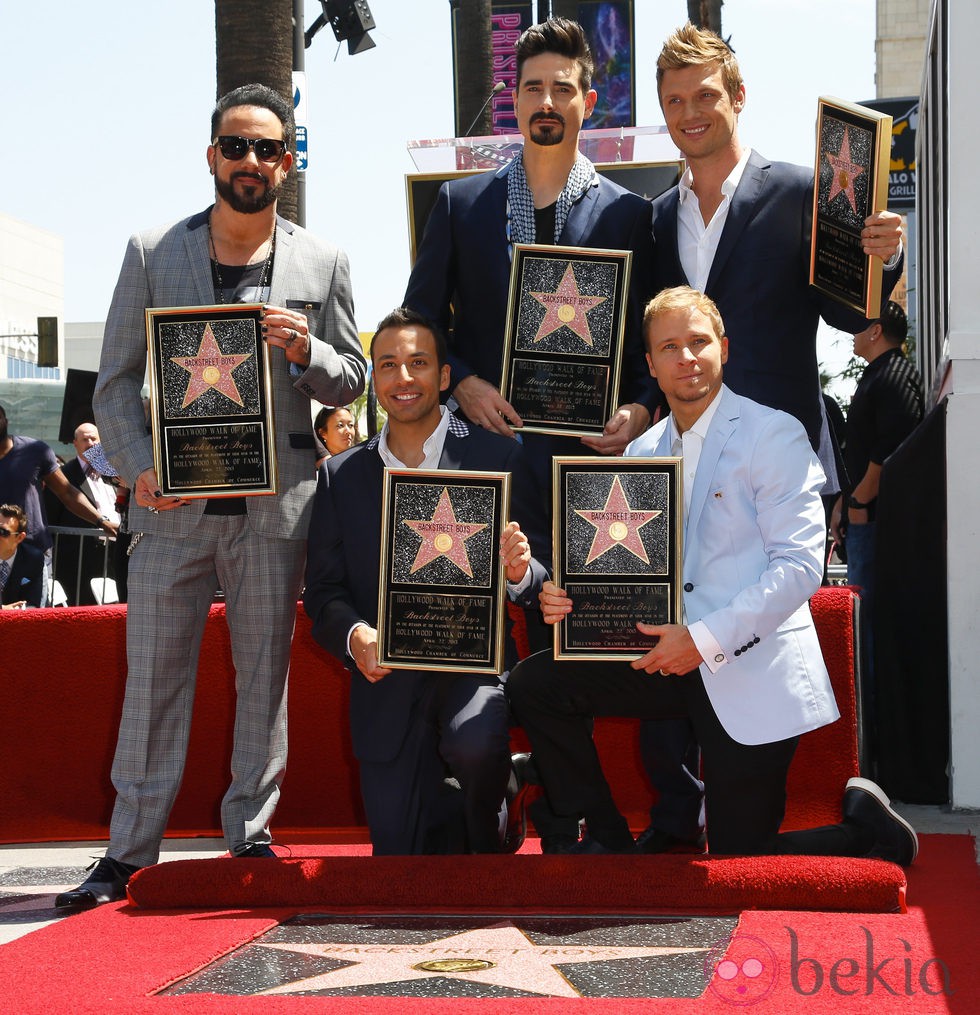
(25, 581)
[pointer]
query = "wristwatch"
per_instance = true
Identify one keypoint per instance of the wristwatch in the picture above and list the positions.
(853, 502)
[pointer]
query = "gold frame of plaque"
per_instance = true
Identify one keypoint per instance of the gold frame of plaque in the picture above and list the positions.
(442, 589)
(211, 409)
(850, 183)
(563, 346)
(632, 569)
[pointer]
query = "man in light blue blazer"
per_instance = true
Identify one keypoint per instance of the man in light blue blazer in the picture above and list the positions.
(745, 665)
(738, 227)
(254, 548)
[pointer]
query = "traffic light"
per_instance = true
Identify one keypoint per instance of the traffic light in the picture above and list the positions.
(47, 341)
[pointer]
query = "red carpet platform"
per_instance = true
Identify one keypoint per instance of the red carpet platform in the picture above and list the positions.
(525, 884)
(64, 672)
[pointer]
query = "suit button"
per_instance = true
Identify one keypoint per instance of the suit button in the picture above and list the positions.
(720, 658)
(738, 651)
(756, 641)
(688, 586)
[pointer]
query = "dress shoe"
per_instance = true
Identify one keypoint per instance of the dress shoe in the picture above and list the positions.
(656, 840)
(590, 846)
(106, 883)
(253, 850)
(558, 843)
(893, 838)
(517, 790)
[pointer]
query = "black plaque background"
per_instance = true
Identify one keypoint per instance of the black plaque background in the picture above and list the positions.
(560, 385)
(838, 265)
(440, 594)
(618, 588)
(213, 447)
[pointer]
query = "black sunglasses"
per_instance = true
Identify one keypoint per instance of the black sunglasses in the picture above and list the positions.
(235, 148)
(6, 532)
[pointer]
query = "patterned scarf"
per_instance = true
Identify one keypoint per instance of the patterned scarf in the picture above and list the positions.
(520, 202)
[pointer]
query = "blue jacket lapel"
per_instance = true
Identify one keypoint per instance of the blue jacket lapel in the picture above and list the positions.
(719, 433)
(743, 207)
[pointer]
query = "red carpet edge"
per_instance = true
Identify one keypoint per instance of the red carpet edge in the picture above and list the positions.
(525, 884)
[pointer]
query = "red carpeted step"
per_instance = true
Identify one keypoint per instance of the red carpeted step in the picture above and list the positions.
(539, 884)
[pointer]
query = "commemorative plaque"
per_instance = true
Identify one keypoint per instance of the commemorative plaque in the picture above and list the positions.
(211, 401)
(442, 589)
(618, 546)
(566, 313)
(850, 183)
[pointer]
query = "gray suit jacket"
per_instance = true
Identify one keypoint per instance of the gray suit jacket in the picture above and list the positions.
(170, 267)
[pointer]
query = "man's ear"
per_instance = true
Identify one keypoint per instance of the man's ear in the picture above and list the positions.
(590, 100)
(445, 372)
(653, 373)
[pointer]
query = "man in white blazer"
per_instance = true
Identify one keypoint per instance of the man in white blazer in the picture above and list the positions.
(254, 549)
(745, 665)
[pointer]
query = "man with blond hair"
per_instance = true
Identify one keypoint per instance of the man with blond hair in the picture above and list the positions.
(737, 227)
(744, 666)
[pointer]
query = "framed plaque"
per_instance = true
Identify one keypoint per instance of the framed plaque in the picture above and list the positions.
(850, 183)
(618, 549)
(211, 401)
(442, 589)
(566, 313)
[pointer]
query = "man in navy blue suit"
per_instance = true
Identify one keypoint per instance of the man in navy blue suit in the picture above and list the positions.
(737, 227)
(432, 746)
(550, 193)
(21, 565)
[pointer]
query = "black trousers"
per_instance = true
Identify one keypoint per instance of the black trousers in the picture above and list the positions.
(745, 785)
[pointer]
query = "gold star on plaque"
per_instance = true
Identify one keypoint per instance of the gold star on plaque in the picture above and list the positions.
(845, 173)
(617, 524)
(443, 536)
(567, 307)
(210, 368)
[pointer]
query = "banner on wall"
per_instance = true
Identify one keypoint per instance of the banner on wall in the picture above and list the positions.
(901, 170)
(508, 19)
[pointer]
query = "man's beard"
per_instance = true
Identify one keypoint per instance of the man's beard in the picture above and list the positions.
(552, 135)
(248, 205)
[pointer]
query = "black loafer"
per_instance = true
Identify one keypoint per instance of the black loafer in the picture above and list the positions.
(106, 883)
(593, 847)
(253, 850)
(517, 790)
(893, 838)
(656, 840)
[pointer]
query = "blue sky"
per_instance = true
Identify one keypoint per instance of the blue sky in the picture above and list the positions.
(107, 110)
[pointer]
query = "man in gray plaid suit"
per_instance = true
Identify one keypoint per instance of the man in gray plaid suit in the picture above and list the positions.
(253, 548)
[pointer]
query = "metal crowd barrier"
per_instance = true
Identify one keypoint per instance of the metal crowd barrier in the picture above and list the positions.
(104, 587)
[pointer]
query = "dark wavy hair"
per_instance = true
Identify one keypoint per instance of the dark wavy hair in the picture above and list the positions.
(263, 97)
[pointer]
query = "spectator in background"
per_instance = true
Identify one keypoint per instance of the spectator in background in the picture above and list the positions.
(21, 565)
(886, 407)
(79, 559)
(27, 465)
(336, 429)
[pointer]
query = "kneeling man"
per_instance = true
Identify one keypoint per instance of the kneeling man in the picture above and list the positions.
(433, 747)
(745, 666)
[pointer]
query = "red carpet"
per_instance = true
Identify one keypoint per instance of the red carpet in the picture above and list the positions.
(526, 884)
(111, 960)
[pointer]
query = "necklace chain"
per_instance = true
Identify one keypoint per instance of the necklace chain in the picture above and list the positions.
(263, 279)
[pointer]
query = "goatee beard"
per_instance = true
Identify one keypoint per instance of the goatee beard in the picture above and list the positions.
(261, 199)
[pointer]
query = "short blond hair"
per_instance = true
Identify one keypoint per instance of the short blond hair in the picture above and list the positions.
(690, 46)
(682, 297)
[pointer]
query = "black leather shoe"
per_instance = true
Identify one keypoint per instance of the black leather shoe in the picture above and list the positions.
(893, 838)
(253, 850)
(558, 843)
(517, 791)
(655, 840)
(593, 847)
(106, 883)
